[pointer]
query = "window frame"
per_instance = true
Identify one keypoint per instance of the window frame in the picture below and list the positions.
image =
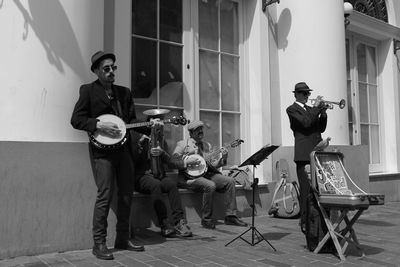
(195, 112)
(354, 40)
(190, 68)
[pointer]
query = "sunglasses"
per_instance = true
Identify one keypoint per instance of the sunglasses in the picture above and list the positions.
(306, 93)
(109, 68)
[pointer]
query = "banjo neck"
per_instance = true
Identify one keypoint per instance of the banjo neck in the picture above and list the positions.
(209, 156)
(235, 143)
(142, 124)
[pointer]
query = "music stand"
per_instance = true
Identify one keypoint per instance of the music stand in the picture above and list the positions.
(255, 160)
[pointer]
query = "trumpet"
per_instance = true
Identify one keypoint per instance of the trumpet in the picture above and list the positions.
(328, 104)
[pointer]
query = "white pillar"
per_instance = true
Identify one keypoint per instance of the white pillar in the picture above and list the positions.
(311, 48)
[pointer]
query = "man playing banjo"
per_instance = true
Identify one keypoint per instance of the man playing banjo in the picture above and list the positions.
(211, 180)
(103, 97)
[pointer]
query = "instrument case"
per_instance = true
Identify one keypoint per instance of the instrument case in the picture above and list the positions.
(334, 185)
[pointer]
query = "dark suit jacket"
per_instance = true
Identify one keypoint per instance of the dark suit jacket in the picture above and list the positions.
(93, 102)
(307, 127)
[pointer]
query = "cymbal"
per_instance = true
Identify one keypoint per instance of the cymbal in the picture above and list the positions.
(156, 112)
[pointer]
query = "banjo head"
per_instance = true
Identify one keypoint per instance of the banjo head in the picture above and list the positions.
(106, 140)
(198, 169)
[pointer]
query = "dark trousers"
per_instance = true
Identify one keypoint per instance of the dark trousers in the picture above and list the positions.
(147, 184)
(116, 167)
(305, 189)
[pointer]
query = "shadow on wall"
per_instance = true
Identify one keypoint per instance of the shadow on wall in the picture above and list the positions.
(280, 29)
(50, 23)
(284, 25)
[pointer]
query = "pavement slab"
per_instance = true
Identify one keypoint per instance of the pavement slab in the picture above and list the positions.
(378, 231)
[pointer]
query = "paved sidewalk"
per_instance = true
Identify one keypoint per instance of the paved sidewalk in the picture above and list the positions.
(378, 231)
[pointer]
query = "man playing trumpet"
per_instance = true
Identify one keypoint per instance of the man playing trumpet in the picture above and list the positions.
(307, 124)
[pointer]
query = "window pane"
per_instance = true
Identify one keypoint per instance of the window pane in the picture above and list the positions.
(209, 80)
(173, 133)
(229, 27)
(230, 83)
(208, 24)
(363, 103)
(371, 65)
(139, 111)
(374, 146)
(171, 20)
(364, 135)
(373, 103)
(171, 93)
(211, 127)
(361, 63)
(365, 139)
(144, 18)
(144, 70)
(231, 132)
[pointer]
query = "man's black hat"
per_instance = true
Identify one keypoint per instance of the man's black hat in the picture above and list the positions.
(98, 57)
(301, 87)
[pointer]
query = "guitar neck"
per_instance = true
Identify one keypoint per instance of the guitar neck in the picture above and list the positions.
(142, 124)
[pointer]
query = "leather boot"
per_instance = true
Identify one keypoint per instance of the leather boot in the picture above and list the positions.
(102, 252)
(127, 245)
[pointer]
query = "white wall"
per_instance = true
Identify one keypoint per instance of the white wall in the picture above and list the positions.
(311, 48)
(256, 81)
(46, 48)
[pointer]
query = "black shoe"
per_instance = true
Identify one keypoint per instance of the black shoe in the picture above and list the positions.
(272, 211)
(127, 245)
(102, 252)
(233, 220)
(208, 224)
(166, 229)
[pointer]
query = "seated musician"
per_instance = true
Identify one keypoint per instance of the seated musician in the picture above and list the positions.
(151, 179)
(211, 181)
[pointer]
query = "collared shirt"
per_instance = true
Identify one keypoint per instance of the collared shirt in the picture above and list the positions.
(301, 105)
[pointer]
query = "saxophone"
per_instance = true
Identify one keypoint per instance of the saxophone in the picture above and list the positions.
(157, 139)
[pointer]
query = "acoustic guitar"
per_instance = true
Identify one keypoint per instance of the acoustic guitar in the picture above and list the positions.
(104, 141)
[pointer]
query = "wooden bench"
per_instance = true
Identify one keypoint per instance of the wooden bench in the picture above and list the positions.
(143, 214)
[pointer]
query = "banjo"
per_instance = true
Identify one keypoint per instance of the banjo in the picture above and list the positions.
(197, 170)
(104, 141)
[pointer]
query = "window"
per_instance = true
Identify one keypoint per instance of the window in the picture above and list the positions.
(157, 58)
(363, 91)
(158, 67)
(219, 91)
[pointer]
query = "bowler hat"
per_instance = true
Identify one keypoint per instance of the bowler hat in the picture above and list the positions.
(194, 125)
(301, 87)
(98, 57)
